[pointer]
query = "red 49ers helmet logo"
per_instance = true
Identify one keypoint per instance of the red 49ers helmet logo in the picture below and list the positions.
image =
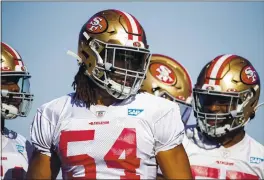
(162, 73)
(136, 44)
(211, 88)
(97, 24)
(249, 75)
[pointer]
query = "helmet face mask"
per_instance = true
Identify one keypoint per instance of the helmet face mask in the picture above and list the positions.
(16, 99)
(114, 61)
(225, 103)
(219, 113)
(122, 70)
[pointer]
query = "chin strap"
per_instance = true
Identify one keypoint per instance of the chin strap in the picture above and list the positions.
(79, 59)
(92, 46)
(75, 56)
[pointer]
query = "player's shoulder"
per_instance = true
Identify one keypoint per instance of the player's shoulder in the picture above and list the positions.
(51, 110)
(255, 145)
(55, 107)
(57, 102)
(149, 107)
(20, 142)
(255, 152)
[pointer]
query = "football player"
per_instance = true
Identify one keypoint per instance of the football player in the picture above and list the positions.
(226, 97)
(106, 129)
(15, 101)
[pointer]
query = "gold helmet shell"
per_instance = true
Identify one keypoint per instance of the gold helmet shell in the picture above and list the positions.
(14, 73)
(167, 78)
(11, 61)
(110, 35)
(230, 77)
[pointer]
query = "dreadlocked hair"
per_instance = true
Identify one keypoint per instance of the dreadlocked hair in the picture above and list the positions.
(85, 88)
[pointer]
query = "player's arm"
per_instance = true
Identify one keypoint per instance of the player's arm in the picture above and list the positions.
(44, 163)
(170, 153)
(174, 163)
(43, 166)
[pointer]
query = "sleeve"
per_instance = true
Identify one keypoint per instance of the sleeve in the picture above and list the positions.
(41, 132)
(169, 130)
(29, 149)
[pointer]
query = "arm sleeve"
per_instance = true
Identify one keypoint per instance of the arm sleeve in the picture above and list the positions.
(29, 149)
(41, 132)
(169, 130)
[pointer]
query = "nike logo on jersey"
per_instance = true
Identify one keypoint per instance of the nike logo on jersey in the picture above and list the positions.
(225, 163)
(99, 122)
(134, 112)
(256, 160)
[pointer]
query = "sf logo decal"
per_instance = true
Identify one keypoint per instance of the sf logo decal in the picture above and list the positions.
(162, 73)
(249, 75)
(96, 25)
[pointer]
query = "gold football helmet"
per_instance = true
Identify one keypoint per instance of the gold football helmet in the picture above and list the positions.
(225, 95)
(16, 99)
(113, 47)
(169, 79)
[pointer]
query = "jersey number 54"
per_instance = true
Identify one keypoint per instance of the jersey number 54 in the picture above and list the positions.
(125, 142)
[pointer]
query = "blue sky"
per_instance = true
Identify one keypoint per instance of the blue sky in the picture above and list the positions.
(191, 32)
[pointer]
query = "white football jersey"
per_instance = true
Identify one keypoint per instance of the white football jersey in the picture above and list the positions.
(15, 154)
(118, 141)
(244, 160)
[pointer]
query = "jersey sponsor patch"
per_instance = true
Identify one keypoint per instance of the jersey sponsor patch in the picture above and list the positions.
(134, 112)
(20, 148)
(256, 160)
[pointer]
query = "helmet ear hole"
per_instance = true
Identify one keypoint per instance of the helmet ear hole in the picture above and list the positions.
(252, 115)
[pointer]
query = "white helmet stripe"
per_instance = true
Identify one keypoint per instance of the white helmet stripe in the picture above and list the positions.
(216, 68)
(133, 25)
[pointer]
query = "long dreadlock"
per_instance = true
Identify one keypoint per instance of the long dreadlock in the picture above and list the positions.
(85, 88)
